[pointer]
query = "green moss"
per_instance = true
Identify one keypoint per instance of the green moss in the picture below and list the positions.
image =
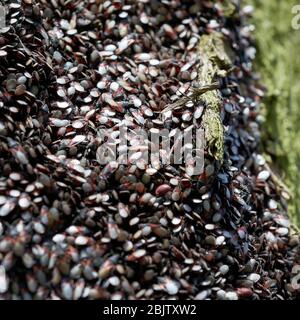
(228, 8)
(215, 58)
(214, 134)
(279, 64)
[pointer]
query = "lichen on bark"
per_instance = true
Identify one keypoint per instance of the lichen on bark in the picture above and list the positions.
(215, 63)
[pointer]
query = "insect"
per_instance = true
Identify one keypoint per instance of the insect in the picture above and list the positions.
(195, 93)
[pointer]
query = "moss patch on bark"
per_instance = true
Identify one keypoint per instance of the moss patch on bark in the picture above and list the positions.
(215, 62)
(278, 62)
